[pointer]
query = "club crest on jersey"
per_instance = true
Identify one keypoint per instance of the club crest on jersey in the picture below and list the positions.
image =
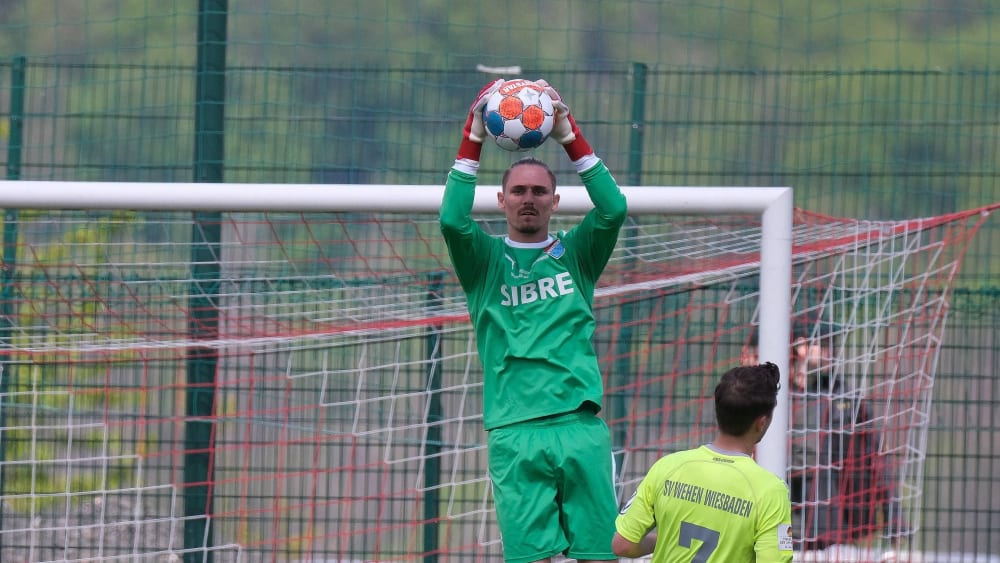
(555, 249)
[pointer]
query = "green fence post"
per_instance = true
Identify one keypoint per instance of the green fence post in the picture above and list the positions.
(623, 367)
(7, 312)
(432, 446)
(16, 132)
(202, 361)
(639, 73)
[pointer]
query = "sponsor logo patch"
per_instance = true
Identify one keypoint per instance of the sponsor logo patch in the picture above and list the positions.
(785, 537)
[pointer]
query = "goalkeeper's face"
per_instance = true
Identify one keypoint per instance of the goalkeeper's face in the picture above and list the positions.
(528, 199)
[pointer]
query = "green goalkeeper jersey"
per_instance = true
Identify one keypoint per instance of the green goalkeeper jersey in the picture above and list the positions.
(530, 304)
(710, 506)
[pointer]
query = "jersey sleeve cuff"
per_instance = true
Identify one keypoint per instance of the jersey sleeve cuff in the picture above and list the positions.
(466, 165)
(585, 163)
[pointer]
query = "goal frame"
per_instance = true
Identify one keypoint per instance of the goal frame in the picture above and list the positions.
(774, 205)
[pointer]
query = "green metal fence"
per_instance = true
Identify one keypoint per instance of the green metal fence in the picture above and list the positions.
(878, 111)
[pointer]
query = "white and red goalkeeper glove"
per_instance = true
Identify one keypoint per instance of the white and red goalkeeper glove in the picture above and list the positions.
(475, 130)
(565, 130)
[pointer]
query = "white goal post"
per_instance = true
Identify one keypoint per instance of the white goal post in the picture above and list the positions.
(773, 204)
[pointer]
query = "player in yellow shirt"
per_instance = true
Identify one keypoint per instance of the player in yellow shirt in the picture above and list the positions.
(714, 503)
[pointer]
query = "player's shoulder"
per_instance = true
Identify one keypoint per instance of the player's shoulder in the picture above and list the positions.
(766, 480)
(746, 465)
(667, 459)
(676, 459)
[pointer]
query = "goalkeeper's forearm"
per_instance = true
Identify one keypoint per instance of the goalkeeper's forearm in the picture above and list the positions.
(459, 196)
(603, 190)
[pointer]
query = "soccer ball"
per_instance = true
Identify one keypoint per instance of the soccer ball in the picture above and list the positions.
(519, 115)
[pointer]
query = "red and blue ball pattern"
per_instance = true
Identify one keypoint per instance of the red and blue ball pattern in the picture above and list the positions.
(519, 115)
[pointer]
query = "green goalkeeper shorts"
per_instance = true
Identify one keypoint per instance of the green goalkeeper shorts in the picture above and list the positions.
(553, 487)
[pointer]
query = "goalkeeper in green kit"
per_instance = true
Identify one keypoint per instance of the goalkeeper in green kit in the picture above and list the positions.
(529, 296)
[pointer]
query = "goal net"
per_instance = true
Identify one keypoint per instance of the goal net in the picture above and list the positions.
(282, 385)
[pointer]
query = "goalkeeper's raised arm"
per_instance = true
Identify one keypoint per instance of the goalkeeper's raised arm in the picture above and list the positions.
(610, 207)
